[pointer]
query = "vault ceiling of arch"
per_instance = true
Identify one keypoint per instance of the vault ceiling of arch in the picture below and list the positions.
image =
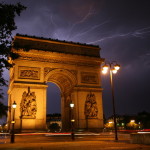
(62, 81)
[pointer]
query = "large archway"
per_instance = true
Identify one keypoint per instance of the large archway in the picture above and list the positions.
(73, 67)
(53, 108)
(53, 99)
(66, 81)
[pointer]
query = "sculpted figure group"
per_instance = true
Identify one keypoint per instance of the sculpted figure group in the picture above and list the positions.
(91, 109)
(28, 104)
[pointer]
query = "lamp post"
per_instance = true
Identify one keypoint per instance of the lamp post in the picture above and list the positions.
(72, 121)
(12, 139)
(113, 68)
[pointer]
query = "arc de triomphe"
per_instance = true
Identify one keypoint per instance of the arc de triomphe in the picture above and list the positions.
(73, 67)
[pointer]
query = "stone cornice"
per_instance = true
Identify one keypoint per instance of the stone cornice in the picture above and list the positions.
(88, 88)
(49, 40)
(27, 82)
(54, 57)
(28, 43)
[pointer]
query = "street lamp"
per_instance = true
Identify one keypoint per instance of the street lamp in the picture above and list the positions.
(72, 121)
(113, 68)
(14, 105)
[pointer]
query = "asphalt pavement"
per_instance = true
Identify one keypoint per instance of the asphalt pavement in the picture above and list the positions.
(63, 141)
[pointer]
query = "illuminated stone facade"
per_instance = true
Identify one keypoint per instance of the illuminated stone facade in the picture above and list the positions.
(74, 68)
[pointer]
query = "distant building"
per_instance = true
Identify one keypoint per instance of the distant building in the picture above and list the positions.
(139, 121)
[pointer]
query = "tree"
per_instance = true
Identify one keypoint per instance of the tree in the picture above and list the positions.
(144, 119)
(54, 127)
(8, 13)
(3, 110)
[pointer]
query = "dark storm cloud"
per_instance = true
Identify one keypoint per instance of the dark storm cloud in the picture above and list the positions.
(120, 27)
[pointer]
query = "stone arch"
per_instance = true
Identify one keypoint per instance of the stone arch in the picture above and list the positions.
(65, 80)
(73, 67)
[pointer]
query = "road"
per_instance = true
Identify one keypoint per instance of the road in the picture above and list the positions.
(45, 141)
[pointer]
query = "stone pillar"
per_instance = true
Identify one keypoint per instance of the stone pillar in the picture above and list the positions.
(29, 116)
(88, 118)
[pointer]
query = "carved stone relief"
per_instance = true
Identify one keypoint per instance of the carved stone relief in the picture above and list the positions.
(91, 109)
(74, 72)
(67, 101)
(28, 107)
(47, 70)
(89, 77)
(29, 73)
(63, 81)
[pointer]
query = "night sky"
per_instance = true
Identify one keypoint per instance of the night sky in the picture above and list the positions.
(120, 27)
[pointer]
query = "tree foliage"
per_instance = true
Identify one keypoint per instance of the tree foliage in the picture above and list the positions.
(3, 110)
(8, 12)
(54, 127)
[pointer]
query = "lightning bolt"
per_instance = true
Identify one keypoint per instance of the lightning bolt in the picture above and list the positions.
(52, 21)
(109, 37)
(90, 29)
(89, 13)
(60, 35)
(55, 35)
(140, 33)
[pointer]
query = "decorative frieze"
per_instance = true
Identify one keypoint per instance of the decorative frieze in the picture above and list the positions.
(91, 63)
(29, 73)
(89, 78)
